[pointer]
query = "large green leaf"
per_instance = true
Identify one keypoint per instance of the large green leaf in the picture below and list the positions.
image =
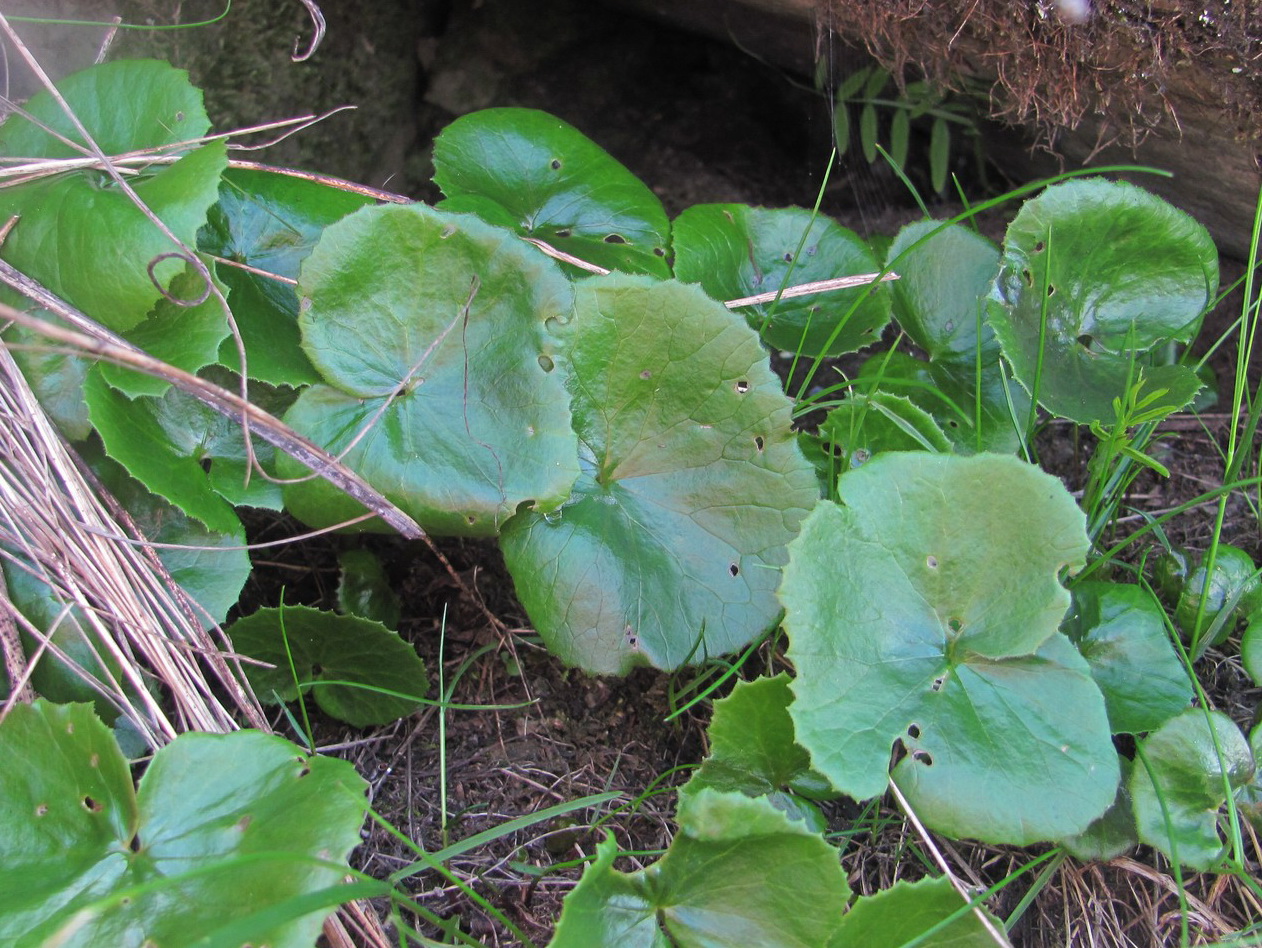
(739, 872)
(907, 911)
(223, 825)
(735, 251)
(752, 751)
(1178, 799)
(270, 222)
(533, 172)
(79, 234)
(1096, 275)
(1114, 832)
(1121, 632)
(328, 647)
(924, 613)
(692, 484)
(945, 273)
(453, 322)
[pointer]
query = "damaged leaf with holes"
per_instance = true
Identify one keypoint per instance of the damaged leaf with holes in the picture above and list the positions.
(533, 173)
(1097, 278)
(923, 613)
(735, 251)
(436, 335)
(692, 483)
(223, 830)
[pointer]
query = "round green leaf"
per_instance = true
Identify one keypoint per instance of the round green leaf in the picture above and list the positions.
(735, 251)
(270, 221)
(224, 825)
(451, 321)
(924, 613)
(326, 646)
(904, 912)
(1185, 784)
(945, 273)
(1121, 632)
(1234, 588)
(752, 750)
(692, 484)
(1251, 649)
(739, 872)
(1100, 274)
(553, 183)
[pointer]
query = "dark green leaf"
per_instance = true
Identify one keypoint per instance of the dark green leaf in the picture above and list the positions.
(939, 154)
(363, 589)
(735, 251)
(329, 647)
(692, 484)
(555, 184)
(864, 425)
(1121, 632)
(270, 222)
(1113, 833)
(900, 135)
(867, 132)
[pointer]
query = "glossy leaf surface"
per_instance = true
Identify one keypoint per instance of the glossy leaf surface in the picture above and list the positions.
(907, 910)
(541, 176)
(734, 251)
(1099, 274)
(1121, 632)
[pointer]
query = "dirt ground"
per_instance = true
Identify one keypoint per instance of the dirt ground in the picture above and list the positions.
(699, 122)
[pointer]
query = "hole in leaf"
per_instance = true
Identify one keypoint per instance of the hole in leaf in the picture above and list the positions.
(41, 809)
(615, 239)
(205, 463)
(556, 164)
(633, 640)
(758, 442)
(563, 232)
(92, 805)
(954, 624)
(913, 731)
(734, 569)
(317, 668)
(546, 363)
(788, 258)
(1028, 277)
(742, 386)
(1085, 340)
(952, 423)
(646, 374)
(1051, 290)
(923, 757)
(448, 231)
(471, 519)
(949, 327)
(1040, 247)
(179, 116)
(304, 772)
(244, 823)
(860, 457)
(659, 251)
(94, 760)
(937, 684)
(931, 561)
(897, 752)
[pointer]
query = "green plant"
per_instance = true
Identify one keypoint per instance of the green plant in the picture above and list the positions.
(472, 369)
